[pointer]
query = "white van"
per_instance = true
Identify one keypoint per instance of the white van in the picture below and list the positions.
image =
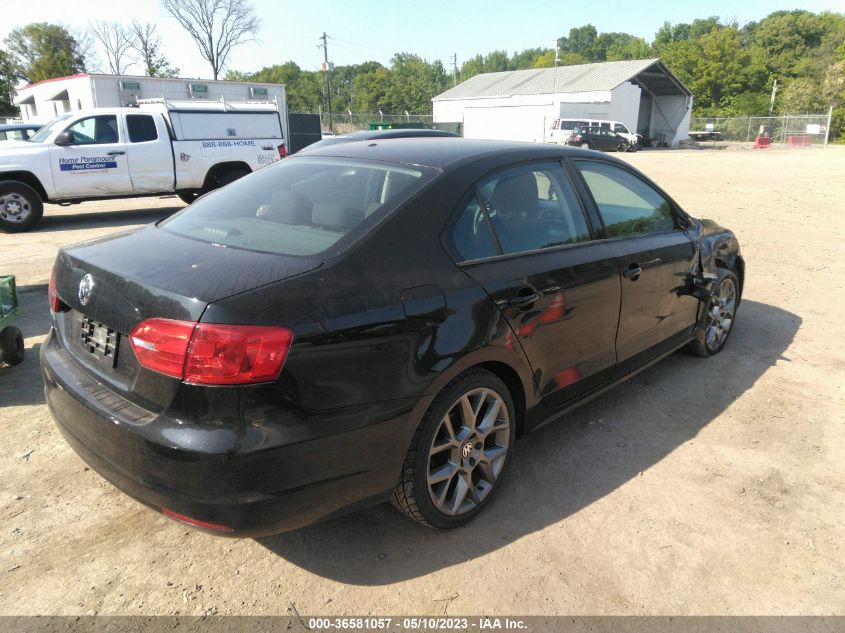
(561, 129)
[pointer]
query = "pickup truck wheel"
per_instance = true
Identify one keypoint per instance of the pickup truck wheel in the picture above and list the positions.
(20, 207)
(231, 175)
(188, 196)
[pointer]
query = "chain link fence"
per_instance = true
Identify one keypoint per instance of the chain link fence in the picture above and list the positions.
(795, 130)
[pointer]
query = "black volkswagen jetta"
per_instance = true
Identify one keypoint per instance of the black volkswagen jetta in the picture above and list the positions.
(372, 320)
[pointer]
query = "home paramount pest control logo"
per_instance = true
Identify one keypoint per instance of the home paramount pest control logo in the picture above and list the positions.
(87, 163)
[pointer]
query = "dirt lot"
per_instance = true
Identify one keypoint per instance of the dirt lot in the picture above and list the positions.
(699, 487)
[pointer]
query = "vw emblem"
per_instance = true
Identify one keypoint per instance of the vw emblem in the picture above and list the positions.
(466, 450)
(86, 287)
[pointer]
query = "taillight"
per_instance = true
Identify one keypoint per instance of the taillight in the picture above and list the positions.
(56, 304)
(282, 151)
(577, 137)
(236, 354)
(211, 353)
(161, 345)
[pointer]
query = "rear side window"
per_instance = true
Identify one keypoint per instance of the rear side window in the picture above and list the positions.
(628, 205)
(527, 208)
(301, 206)
(141, 128)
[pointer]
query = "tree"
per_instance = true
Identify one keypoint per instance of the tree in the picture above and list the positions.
(116, 44)
(714, 66)
(786, 37)
(580, 41)
(217, 26)
(413, 82)
(145, 41)
(44, 51)
(10, 75)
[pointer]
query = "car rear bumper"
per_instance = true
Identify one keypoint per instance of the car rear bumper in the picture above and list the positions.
(253, 481)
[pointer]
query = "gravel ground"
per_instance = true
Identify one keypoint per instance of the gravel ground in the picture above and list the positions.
(699, 487)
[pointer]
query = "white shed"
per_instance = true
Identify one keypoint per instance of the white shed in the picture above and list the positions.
(47, 99)
(520, 105)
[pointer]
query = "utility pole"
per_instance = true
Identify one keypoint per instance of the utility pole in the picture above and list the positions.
(455, 67)
(557, 52)
(774, 94)
(328, 70)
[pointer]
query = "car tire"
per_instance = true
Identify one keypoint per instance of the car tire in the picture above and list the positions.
(446, 488)
(622, 147)
(21, 207)
(584, 146)
(188, 196)
(713, 334)
(231, 175)
(11, 346)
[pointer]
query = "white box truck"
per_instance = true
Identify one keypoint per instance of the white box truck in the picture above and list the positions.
(159, 147)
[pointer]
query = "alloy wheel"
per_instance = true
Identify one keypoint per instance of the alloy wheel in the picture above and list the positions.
(468, 451)
(721, 314)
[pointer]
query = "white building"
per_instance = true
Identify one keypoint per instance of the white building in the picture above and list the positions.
(520, 105)
(47, 99)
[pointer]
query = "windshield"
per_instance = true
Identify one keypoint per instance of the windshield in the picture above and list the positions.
(300, 206)
(41, 135)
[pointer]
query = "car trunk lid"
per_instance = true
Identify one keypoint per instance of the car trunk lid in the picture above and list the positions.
(146, 274)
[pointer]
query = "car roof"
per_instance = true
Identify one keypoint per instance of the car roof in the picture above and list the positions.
(442, 153)
(367, 135)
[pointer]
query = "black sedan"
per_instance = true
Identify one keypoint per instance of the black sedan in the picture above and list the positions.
(372, 321)
(600, 138)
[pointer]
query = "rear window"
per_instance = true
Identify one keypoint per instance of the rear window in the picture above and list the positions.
(300, 206)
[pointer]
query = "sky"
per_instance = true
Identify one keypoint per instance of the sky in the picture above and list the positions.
(361, 30)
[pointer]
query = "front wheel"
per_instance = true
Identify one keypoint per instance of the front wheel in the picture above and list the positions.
(20, 207)
(720, 318)
(459, 452)
(622, 147)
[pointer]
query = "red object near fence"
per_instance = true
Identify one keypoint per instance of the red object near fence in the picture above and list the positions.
(799, 140)
(762, 141)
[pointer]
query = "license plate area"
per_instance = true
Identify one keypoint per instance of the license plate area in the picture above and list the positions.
(100, 341)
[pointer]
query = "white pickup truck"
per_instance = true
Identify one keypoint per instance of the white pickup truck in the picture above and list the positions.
(160, 147)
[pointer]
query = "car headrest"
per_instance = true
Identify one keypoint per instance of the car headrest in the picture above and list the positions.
(336, 218)
(288, 207)
(514, 194)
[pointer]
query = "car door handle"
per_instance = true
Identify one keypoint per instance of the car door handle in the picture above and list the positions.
(633, 273)
(524, 300)
(116, 153)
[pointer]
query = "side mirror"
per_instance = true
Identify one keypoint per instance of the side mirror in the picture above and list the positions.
(65, 138)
